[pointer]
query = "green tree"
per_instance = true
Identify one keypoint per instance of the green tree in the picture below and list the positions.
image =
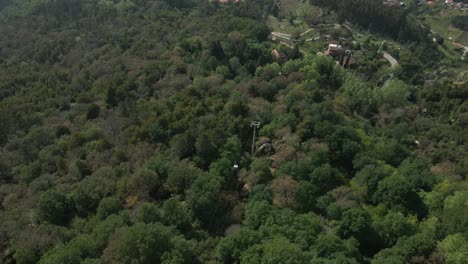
(143, 183)
(183, 145)
(396, 94)
(203, 197)
(149, 213)
(54, 207)
(306, 197)
(111, 96)
(225, 168)
(257, 213)
(323, 70)
(326, 178)
(284, 190)
(216, 50)
(455, 249)
(455, 217)
(304, 229)
(82, 168)
(355, 222)
(260, 192)
(360, 97)
(61, 131)
(232, 150)
(25, 256)
(296, 53)
(92, 112)
(261, 170)
(390, 151)
(398, 193)
(62, 254)
(419, 245)
(328, 246)
(366, 181)
(417, 172)
(177, 213)
(205, 147)
(30, 172)
(460, 22)
(394, 226)
(142, 243)
(268, 71)
(180, 176)
(344, 144)
(276, 250)
(108, 206)
(156, 133)
(229, 249)
(89, 192)
(298, 169)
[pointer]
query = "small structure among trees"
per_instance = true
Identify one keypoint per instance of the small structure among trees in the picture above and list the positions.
(334, 50)
(278, 55)
(340, 55)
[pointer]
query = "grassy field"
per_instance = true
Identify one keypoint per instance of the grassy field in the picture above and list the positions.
(297, 8)
(448, 52)
(285, 26)
(441, 25)
(463, 39)
(291, 16)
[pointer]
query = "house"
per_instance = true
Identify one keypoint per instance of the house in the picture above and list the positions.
(342, 57)
(278, 55)
(333, 50)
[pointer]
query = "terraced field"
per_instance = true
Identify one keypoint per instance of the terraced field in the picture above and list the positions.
(298, 8)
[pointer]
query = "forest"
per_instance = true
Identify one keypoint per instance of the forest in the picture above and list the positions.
(127, 137)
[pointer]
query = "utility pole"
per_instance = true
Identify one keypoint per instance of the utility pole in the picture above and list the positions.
(255, 125)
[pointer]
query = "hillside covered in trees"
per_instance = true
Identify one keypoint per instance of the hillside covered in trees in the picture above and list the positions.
(126, 137)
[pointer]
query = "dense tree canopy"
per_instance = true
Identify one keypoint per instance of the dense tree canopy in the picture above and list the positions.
(126, 135)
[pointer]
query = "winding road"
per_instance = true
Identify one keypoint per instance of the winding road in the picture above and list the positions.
(390, 59)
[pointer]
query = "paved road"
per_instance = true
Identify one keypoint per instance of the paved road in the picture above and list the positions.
(390, 59)
(388, 80)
